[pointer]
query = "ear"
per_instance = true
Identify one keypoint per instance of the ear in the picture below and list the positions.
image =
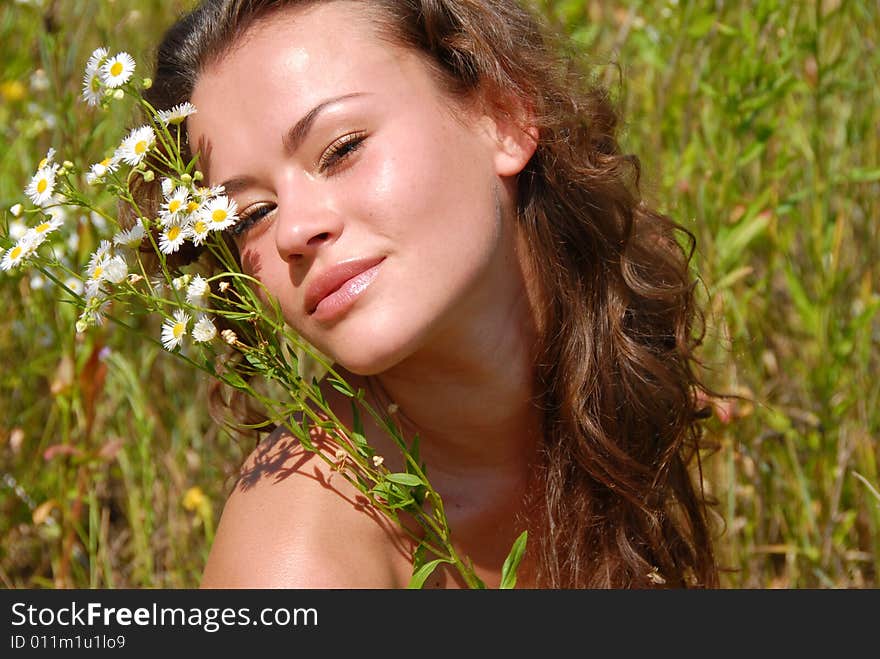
(515, 138)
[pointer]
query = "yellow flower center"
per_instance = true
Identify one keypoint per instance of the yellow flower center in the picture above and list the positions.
(173, 232)
(200, 227)
(16, 252)
(43, 227)
(43, 163)
(105, 162)
(179, 329)
(116, 69)
(42, 185)
(174, 205)
(98, 272)
(140, 147)
(218, 215)
(191, 207)
(96, 84)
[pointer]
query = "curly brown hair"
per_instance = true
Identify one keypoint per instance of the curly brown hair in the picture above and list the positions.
(617, 370)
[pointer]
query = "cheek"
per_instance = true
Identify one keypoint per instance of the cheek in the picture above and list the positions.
(428, 192)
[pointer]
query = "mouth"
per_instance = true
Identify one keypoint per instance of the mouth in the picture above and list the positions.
(334, 290)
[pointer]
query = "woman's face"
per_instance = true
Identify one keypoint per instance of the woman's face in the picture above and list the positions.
(371, 204)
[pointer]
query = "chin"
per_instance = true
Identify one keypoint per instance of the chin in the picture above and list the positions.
(374, 350)
(363, 361)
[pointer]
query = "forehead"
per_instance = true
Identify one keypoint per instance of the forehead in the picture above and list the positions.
(290, 61)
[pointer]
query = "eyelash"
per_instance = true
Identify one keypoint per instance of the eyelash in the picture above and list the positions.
(341, 149)
(332, 159)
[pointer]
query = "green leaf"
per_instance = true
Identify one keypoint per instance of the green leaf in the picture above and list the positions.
(404, 479)
(511, 563)
(420, 576)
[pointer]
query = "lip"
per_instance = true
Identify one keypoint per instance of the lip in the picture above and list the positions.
(332, 291)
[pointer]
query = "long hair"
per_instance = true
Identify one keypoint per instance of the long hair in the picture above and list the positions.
(616, 371)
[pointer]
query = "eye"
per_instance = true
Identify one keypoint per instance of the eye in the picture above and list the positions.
(249, 217)
(338, 152)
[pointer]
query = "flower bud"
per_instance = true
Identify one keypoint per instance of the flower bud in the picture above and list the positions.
(15, 210)
(186, 179)
(67, 165)
(147, 83)
(118, 94)
(198, 176)
(81, 326)
(149, 175)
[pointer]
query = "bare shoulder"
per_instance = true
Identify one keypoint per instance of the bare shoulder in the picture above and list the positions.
(291, 521)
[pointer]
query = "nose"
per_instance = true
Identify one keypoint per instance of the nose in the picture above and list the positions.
(306, 223)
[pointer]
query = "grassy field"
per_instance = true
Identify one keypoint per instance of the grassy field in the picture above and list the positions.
(758, 126)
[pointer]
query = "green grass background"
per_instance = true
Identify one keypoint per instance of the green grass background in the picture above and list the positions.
(758, 126)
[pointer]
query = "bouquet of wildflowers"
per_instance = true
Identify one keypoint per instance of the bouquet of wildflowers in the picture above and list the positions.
(214, 318)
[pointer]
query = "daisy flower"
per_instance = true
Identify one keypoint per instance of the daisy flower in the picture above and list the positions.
(49, 159)
(177, 114)
(197, 290)
(96, 59)
(19, 252)
(167, 187)
(204, 330)
(42, 185)
(99, 169)
(134, 148)
(98, 260)
(117, 70)
(131, 238)
(181, 282)
(219, 213)
(174, 329)
(172, 238)
(115, 270)
(74, 284)
(93, 88)
(173, 209)
(199, 231)
(50, 224)
(17, 228)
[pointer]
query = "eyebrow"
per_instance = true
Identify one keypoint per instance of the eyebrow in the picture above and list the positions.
(292, 140)
(300, 130)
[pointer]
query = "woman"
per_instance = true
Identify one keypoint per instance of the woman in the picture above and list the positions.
(442, 209)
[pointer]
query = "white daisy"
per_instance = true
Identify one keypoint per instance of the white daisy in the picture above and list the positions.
(177, 114)
(115, 270)
(167, 187)
(134, 148)
(204, 330)
(219, 213)
(50, 224)
(181, 282)
(98, 260)
(174, 329)
(199, 230)
(74, 284)
(132, 237)
(99, 169)
(117, 70)
(197, 290)
(42, 185)
(101, 253)
(19, 252)
(97, 58)
(172, 238)
(49, 159)
(17, 228)
(175, 207)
